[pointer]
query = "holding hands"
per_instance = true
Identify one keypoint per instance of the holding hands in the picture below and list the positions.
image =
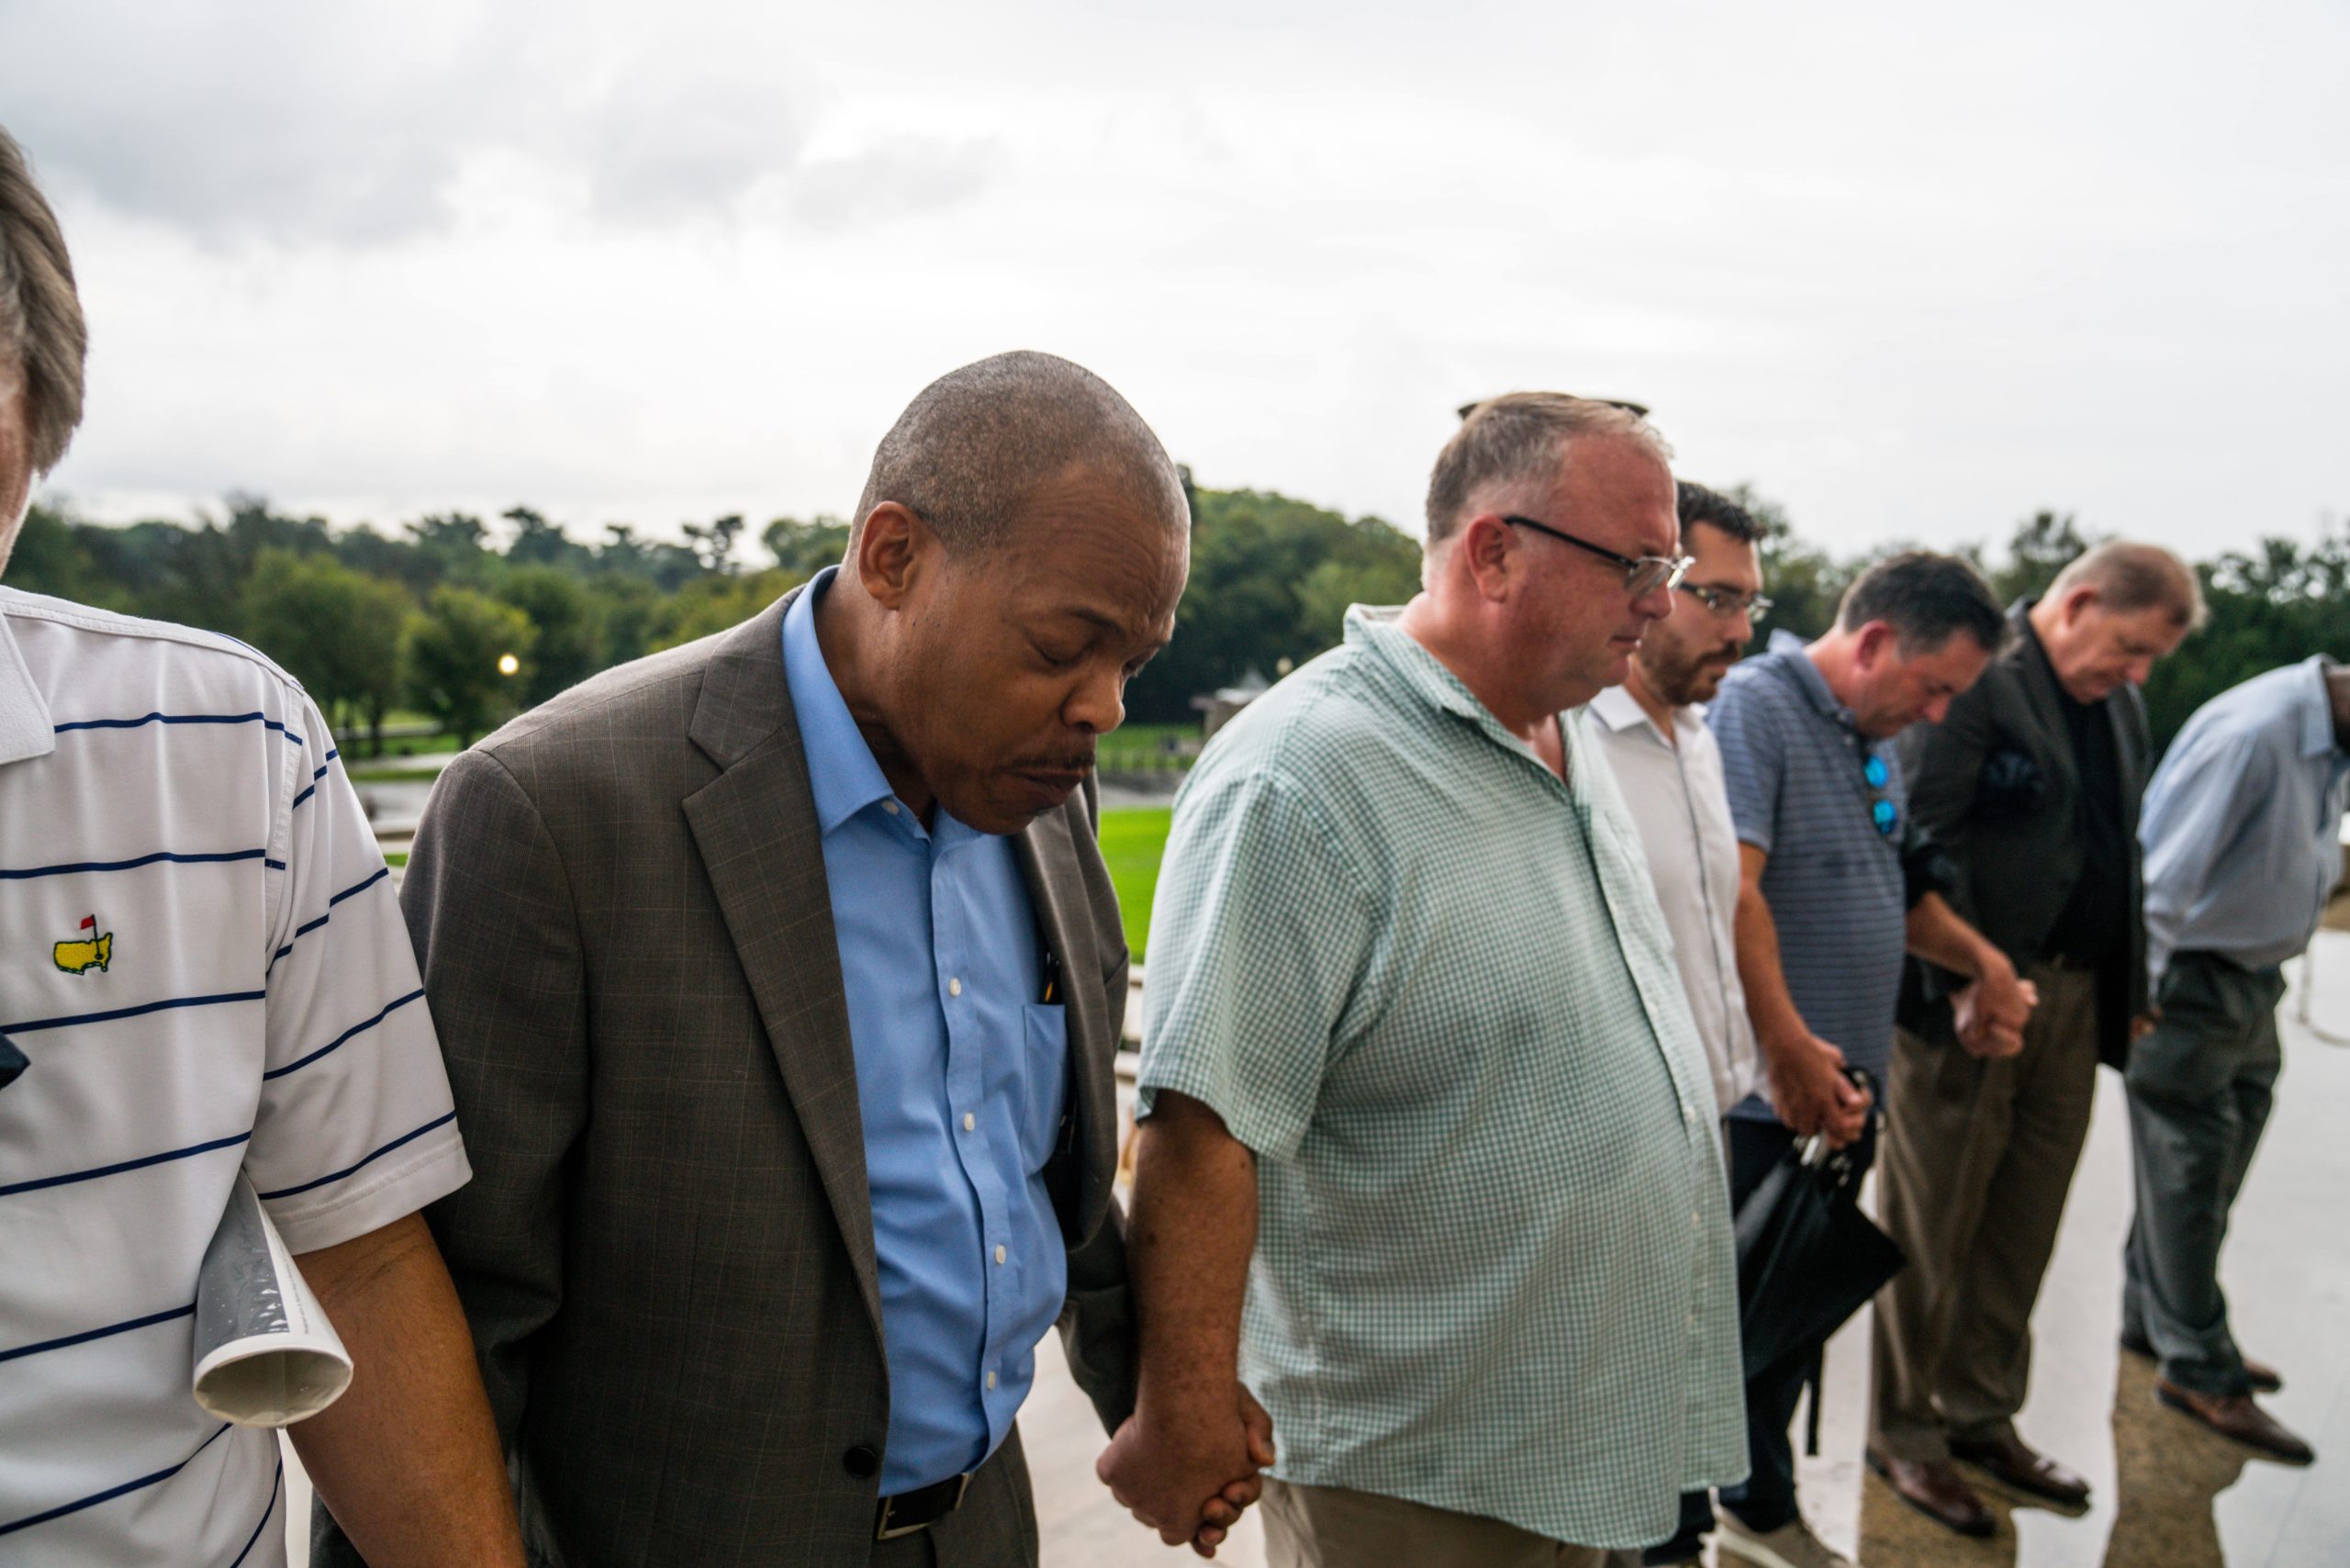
(1992, 1012)
(1189, 1473)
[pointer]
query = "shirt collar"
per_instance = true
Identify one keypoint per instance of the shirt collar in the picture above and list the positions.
(2317, 709)
(842, 773)
(25, 727)
(1617, 709)
(1373, 629)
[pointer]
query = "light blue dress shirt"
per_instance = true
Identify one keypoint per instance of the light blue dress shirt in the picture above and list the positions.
(961, 1075)
(2242, 822)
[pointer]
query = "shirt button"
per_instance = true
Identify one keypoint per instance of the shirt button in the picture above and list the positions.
(891, 807)
(1698, 1220)
(991, 1380)
(970, 1123)
(953, 987)
(1000, 1254)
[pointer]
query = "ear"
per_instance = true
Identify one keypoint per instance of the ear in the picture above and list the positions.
(1487, 548)
(894, 548)
(2075, 600)
(1876, 642)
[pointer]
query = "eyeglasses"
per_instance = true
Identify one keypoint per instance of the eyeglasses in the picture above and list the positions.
(1643, 574)
(1881, 811)
(1723, 601)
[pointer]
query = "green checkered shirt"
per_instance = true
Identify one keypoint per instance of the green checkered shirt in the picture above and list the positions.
(1429, 985)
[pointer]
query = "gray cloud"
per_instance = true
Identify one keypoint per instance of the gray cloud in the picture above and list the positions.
(300, 124)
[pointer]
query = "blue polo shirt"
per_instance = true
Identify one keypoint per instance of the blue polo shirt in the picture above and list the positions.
(960, 1074)
(1794, 762)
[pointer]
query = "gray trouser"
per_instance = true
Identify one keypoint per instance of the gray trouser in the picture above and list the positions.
(1330, 1527)
(995, 1527)
(1977, 1160)
(2200, 1088)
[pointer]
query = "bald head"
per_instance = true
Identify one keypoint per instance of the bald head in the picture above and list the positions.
(979, 442)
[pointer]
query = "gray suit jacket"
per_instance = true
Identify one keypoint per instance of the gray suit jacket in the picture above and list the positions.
(665, 1254)
(1995, 788)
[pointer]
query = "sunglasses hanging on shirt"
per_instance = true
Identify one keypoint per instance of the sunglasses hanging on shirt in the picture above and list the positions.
(1881, 811)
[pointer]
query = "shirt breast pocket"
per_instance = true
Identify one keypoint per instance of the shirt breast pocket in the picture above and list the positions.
(1044, 1074)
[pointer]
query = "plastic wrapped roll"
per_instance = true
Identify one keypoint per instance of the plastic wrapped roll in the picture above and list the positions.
(265, 1354)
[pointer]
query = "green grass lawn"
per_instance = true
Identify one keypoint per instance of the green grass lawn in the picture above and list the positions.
(1132, 842)
(1143, 747)
(392, 773)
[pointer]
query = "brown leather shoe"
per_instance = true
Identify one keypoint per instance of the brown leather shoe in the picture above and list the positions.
(2263, 1378)
(2017, 1464)
(1937, 1491)
(2235, 1415)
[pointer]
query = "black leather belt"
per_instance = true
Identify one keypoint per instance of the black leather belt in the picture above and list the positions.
(920, 1509)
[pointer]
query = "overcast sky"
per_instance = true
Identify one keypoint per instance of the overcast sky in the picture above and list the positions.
(1913, 274)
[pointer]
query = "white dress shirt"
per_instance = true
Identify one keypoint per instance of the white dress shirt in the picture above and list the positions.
(1682, 806)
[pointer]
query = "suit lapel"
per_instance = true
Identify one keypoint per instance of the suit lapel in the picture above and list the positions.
(1079, 1175)
(2039, 688)
(755, 827)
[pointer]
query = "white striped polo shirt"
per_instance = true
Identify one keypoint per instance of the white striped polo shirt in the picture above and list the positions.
(202, 958)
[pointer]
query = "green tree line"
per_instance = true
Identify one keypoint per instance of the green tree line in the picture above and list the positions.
(467, 621)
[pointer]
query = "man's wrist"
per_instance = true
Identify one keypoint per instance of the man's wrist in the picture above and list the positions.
(1785, 1043)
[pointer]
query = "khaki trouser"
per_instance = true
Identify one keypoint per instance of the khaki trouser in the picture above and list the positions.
(1329, 1526)
(1977, 1160)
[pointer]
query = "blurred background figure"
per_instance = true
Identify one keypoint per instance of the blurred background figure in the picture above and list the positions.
(2243, 847)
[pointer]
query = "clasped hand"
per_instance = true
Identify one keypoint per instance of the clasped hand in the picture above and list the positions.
(1189, 1475)
(1991, 1013)
(1811, 1093)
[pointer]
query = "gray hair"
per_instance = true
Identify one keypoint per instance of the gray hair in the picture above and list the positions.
(977, 441)
(42, 339)
(2128, 579)
(1522, 438)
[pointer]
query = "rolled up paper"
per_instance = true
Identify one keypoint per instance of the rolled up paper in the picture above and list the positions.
(265, 1354)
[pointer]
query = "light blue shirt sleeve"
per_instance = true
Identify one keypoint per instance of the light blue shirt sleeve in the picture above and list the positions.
(2242, 821)
(2187, 827)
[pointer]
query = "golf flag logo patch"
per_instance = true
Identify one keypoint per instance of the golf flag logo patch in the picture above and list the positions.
(91, 950)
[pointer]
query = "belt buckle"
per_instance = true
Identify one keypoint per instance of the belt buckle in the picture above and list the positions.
(884, 1530)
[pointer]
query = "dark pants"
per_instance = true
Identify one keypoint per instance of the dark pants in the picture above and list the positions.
(2200, 1088)
(1766, 1499)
